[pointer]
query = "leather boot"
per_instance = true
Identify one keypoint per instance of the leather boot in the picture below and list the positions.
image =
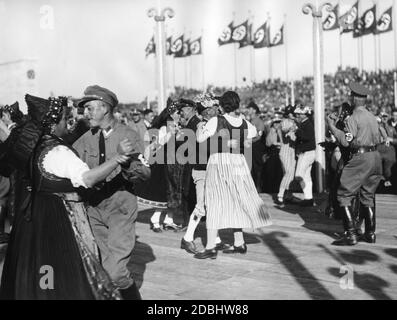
(349, 238)
(370, 224)
(131, 293)
(4, 237)
(358, 219)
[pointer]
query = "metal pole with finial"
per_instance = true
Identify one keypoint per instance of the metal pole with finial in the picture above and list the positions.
(159, 16)
(270, 60)
(316, 11)
(394, 20)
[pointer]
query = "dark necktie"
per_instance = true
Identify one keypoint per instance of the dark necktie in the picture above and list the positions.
(102, 149)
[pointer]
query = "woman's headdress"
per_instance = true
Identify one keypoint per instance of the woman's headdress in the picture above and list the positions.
(17, 150)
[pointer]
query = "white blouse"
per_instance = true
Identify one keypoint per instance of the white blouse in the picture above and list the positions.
(209, 129)
(62, 162)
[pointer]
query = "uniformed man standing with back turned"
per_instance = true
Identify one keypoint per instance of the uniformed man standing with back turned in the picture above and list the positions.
(363, 171)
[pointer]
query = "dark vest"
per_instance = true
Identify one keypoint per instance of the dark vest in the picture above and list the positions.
(225, 131)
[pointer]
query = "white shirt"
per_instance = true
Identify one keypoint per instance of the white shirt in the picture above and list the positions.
(209, 129)
(62, 162)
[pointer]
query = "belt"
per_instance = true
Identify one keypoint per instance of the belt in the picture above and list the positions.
(363, 149)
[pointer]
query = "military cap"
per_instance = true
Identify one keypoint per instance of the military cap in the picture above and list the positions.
(98, 93)
(136, 111)
(277, 118)
(359, 90)
(185, 103)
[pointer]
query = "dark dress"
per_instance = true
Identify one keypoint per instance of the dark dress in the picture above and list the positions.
(50, 239)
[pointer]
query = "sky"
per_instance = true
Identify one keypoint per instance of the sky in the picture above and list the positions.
(103, 42)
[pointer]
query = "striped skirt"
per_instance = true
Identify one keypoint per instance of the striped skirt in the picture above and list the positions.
(231, 199)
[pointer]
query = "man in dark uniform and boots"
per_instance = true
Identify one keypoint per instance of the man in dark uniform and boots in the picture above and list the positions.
(363, 172)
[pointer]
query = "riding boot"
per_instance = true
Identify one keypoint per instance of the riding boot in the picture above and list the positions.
(370, 224)
(358, 218)
(4, 237)
(349, 238)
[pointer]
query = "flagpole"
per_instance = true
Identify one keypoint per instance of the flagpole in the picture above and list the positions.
(340, 39)
(285, 35)
(202, 60)
(185, 60)
(319, 104)
(167, 60)
(251, 47)
(379, 52)
(270, 51)
(190, 57)
(375, 38)
(394, 18)
(159, 16)
(235, 56)
(361, 45)
(172, 61)
(360, 67)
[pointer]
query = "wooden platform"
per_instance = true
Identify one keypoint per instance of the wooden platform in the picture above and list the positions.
(292, 259)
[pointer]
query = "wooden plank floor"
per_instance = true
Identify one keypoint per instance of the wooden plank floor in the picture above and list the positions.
(292, 259)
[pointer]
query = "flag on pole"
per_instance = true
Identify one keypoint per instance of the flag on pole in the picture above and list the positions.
(261, 37)
(385, 22)
(150, 48)
(331, 22)
(168, 46)
(195, 47)
(349, 20)
(186, 48)
(366, 24)
(248, 40)
(226, 36)
(278, 38)
(240, 32)
(177, 47)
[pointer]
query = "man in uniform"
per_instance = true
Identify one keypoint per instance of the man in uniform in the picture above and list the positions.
(137, 124)
(112, 206)
(363, 171)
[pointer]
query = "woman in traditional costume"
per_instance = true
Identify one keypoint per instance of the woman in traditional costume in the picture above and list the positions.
(52, 253)
(231, 199)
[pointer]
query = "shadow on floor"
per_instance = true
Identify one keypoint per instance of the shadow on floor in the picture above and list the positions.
(367, 282)
(275, 242)
(141, 256)
(393, 268)
(358, 257)
(391, 252)
(314, 217)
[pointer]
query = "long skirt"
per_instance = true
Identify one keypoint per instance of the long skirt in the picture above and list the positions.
(52, 255)
(178, 177)
(231, 198)
(153, 192)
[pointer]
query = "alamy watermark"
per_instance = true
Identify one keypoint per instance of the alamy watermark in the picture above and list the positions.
(182, 147)
(347, 280)
(47, 278)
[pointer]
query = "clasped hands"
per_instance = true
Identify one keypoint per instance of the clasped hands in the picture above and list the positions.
(124, 151)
